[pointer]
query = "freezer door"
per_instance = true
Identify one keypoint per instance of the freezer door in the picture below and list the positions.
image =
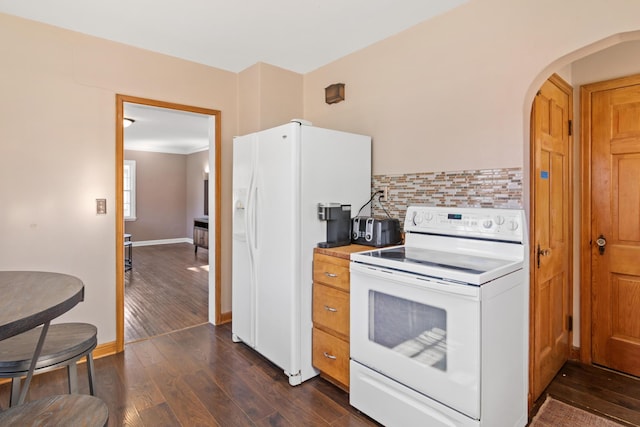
(243, 264)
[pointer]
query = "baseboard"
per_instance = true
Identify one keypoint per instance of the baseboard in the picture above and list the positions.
(162, 241)
(224, 318)
(574, 353)
(103, 350)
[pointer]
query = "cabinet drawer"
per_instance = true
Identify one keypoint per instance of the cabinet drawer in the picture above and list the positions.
(331, 271)
(331, 308)
(331, 356)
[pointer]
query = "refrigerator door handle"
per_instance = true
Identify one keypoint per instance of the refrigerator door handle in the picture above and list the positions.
(254, 221)
(250, 220)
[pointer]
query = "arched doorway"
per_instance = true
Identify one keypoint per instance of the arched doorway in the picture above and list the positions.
(608, 58)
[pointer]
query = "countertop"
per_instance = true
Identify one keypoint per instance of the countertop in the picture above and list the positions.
(343, 252)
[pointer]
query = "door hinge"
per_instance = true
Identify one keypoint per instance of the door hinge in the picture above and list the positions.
(570, 323)
(570, 127)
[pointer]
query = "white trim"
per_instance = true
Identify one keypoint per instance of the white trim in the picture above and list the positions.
(168, 150)
(162, 241)
(131, 164)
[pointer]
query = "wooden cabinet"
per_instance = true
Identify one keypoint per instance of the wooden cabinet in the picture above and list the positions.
(201, 233)
(331, 312)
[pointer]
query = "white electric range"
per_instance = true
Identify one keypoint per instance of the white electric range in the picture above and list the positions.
(439, 325)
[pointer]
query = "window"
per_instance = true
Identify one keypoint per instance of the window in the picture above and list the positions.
(129, 185)
(415, 330)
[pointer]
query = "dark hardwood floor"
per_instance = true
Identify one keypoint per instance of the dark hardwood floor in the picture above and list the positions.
(166, 290)
(601, 391)
(198, 376)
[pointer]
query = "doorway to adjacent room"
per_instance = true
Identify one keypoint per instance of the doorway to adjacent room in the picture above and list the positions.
(610, 289)
(551, 237)
(212, 256)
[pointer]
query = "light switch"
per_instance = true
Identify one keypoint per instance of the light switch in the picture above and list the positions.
(101, 206)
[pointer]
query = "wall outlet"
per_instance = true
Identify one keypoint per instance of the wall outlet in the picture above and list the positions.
(385, 193)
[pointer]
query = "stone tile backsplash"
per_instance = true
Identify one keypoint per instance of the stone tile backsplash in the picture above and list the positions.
(494, 188)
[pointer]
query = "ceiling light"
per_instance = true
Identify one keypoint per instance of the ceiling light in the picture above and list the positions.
(126, 122)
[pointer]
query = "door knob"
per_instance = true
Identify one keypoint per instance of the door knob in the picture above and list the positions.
(542, 252)
(601, 242)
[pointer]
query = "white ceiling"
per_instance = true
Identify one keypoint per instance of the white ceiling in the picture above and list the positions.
(165, 131)
(298, 35)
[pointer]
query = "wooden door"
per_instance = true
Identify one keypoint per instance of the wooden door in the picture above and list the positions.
(551, 291)
(615, 227)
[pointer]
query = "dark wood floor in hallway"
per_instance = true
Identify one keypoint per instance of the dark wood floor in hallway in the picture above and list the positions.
(166, 290)
(601, 391)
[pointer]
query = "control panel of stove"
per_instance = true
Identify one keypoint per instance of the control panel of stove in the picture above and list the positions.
(488, 223)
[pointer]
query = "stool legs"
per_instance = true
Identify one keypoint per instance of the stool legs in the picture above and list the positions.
(15, 391)
(72, 376)
(91, 373)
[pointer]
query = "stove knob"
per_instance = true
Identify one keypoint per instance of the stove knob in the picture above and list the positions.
(417, 218)
(487, 223)
(429, 216)
(499, 220)
(513, 225)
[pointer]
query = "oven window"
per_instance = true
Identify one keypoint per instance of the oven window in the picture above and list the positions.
(417, 331)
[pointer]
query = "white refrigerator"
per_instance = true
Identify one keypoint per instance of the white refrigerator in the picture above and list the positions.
(279, 177)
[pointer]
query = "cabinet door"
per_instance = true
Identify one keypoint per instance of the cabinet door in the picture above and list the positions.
(331, 356)
(331, 309)
(331, 271)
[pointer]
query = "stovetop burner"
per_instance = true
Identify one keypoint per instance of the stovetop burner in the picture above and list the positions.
(433, 258)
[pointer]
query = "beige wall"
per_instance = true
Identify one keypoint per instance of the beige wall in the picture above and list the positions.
(452, 93)
(170, 194)
(268, 96)
(57, 149)
(455, 92)
(161, 196)
(249, 100)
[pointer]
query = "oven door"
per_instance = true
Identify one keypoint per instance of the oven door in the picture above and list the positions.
(422, 332)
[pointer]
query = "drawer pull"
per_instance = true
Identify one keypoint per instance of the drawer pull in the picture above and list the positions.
(329, 356)
(326, 273)
(331, 309)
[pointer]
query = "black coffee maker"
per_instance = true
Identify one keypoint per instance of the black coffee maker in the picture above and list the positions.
(338, 219)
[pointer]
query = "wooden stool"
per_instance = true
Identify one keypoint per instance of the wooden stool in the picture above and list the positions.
(65, 410)
(65, 344)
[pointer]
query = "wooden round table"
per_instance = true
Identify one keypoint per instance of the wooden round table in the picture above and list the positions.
(30, 299)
